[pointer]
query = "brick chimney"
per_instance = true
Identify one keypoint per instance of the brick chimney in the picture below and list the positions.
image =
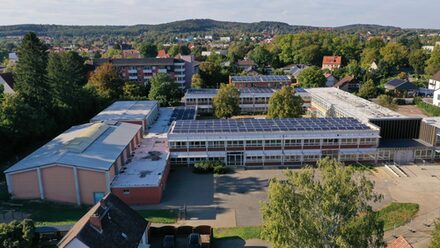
(95, 221)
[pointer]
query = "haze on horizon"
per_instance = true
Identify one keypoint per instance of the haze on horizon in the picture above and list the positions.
(401, 13)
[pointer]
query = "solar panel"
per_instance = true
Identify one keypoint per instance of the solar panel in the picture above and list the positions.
(266, 125)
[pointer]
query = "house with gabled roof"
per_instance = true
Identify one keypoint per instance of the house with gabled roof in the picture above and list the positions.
(109, 223)
(331, 62)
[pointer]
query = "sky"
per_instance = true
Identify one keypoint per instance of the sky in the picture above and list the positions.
(401, 13)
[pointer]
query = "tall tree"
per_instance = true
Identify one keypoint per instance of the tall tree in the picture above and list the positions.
(179, 49)
(329, 210)
(261, 56)
(31, 73)
(395, 54)
(197, 82)
(211, 74)
(367, 90)
(386, 101)
(284, 104)
(133, 90)
(165, 90)
(106, 81)
(17, 234)
(311, 77)
(148, 50)
(433, 63)
(368, 56)
(417, 60)
(227, 101)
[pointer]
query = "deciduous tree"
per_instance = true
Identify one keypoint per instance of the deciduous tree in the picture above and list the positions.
(227, 101)
(211, 74)
(367, 90)
(433, 63)
(395, 54)
(164, 90)
(134, 90)
(417, 60)
(106, 81)
(148, 50)
(17, 234)
(284, 104)
(311, 77)
(329, 208)
(197, 82)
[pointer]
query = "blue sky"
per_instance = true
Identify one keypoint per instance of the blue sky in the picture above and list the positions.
(402, 13)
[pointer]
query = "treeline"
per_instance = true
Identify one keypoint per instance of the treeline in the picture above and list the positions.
(50, 97)
(181, 28)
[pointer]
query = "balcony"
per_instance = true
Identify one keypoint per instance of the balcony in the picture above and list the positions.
(179, 69)
(162, 71)
(148, 71)
(132, 71)
(132, 77)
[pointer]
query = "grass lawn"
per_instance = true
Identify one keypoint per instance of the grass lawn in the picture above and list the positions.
(249, 232)
(51, 214)
(163, 216)
(363, 167)
(397, 214)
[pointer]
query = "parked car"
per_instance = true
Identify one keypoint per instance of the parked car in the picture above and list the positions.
(194, 240)
(168, 241)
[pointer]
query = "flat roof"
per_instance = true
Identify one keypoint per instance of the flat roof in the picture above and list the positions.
(86, 146)
(135, 61)
(262, 78)
(246, 92)
(351, 105)
(266, 125)
(184, 113)
(402, 143)
(126, 110)
(433, 121)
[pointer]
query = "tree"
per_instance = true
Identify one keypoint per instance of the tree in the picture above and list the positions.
(106, 81)
(31, 72)
(284, 104)
(368, 56)
(329, 208)
(211, 74)
(165, 90)
(311, 77)
(66, 76)
(227, 101)
(261, 56)
(17, 234)
(148, 50)
(386, 101)
(197, 82)
(433, 63)
(394, 54)
(238, 50)
(310, 55)
(367, 90)
(435, 242)
(179, 49)
(417, 60)
(133, 90)
(113, 53)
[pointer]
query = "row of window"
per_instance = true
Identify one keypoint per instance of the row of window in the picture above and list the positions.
(271, 143)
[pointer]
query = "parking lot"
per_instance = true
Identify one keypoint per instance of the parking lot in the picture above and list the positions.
(234, 199)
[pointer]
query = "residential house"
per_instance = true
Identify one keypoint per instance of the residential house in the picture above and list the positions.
(434, 84)
(373, 66)
(7, 80)
(330, 80)
(349, 84)
(132, 53)
(294, 70)
(162, 54)
(109, 223)
(401, 87)
(331, 62)
(246, 63)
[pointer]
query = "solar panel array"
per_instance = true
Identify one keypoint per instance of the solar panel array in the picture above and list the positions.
(269, 78)
(256, 90)
(185, 113)
(267, 125)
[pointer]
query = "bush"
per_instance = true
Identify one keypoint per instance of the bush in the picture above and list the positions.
(206, 167)
(399, 101)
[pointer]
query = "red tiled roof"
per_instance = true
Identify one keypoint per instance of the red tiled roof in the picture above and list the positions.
(343, 81)
(332, 60)
(400, 242)
(162, 54)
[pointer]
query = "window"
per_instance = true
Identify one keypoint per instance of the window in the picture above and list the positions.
(216, 144)
(311, 142)
(126, 192)
(272, 143)
(97, 196)
(235, 143)
(178, 144)
(197, 144)
(254, 143)
(292, 142)
(349, 141)
(330, 141)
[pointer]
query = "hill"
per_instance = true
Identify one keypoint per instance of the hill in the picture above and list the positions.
(179, 27)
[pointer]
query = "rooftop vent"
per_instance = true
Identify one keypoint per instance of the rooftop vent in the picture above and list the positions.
(144, 173)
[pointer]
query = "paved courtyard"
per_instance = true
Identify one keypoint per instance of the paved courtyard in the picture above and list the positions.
(234, 199)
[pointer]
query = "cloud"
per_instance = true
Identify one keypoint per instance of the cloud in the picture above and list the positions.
(404, 13)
